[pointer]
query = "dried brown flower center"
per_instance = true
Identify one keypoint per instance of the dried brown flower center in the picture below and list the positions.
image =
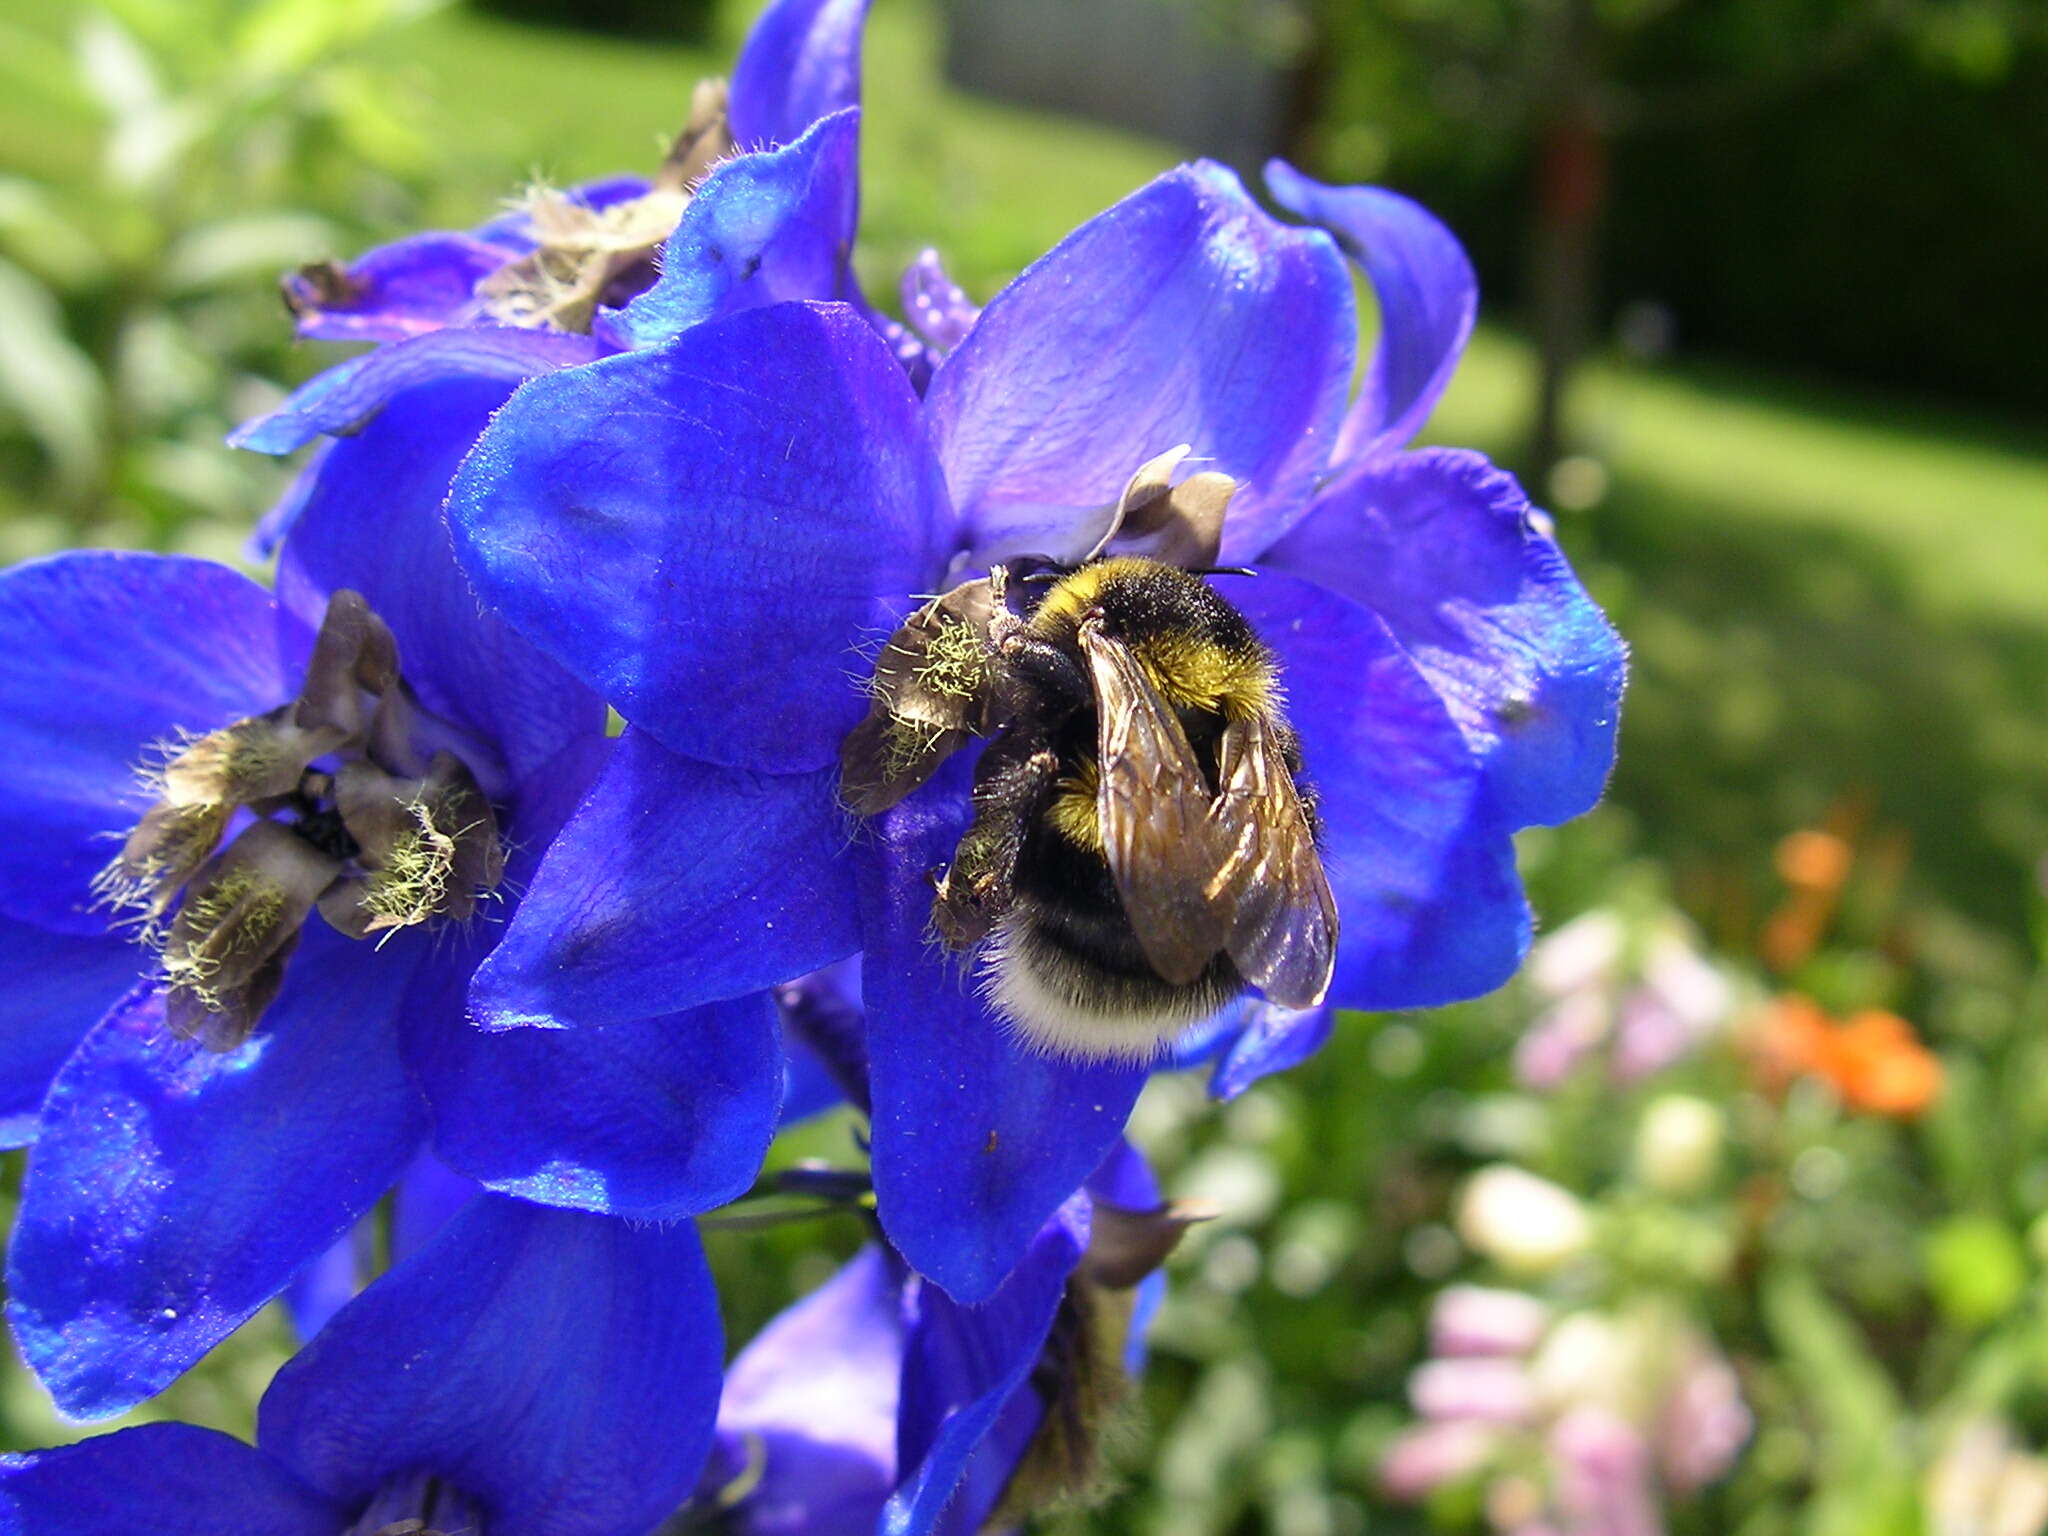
(348, 799)
(583, 254)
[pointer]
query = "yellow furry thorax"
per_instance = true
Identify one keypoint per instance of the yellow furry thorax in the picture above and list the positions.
(1190, 670)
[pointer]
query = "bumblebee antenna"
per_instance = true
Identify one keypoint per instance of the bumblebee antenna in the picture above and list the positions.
(1223, 570)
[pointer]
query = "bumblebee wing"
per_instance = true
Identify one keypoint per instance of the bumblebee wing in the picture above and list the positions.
(1153, 806)
(1283, 931)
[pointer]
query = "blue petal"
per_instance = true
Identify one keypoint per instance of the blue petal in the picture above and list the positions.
(1428, 298)
(814, 1396)
(104, 660)
(825, 1024)
(373, 523)
(1272, 1040)
(1442, 546)
(964, 1363)
(274, 524)
(174, 1191)
(748, 501)
(654, 1119)
(427, 1198)
(343, 399)
(406, 288)
(559, 1367)
(1124, 1179)
(165, 1479)
(801, 62)
(58, 987)
(762, 227)
(977, 1137)
(327, 1285)
(1181, 315)
(676, 884)
(1424, 875)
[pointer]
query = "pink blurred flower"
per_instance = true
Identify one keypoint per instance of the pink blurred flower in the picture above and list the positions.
(1486, 1320)
(1423, 1459)
(1705, 1422)
(1491, 1390)
(1602, 1478)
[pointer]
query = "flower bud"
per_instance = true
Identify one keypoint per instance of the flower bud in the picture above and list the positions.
(1423, 1459)
(1491, 1390)
(1526, 1225)
(1678, 1144)
(1484, 1320)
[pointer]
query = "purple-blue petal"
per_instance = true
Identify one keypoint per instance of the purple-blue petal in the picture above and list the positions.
(173, 1191)
(559, 1367)
(374, 524)
(1442, 546)
(676, 884)
(1271, 1039)
(407, 288)
(824, 1018)
(344, 398)
(429, 1195)
(814, 1396)
(801, 62)
(751, 500)
(1429, 911)
(762, 228)
(1181, 315)
(58, 986)
(653, 1118)
(1124, 1179)
(963, 1364)
(331, 1281)
(275, 523)
(978, 1138)
(106, 660)
(1427, 293)
(166, 1479)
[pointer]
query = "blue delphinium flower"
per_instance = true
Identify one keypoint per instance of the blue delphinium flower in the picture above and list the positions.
(526, 1372)
(711, 533)
(879, 1403)
(757, 201)
(344, 788)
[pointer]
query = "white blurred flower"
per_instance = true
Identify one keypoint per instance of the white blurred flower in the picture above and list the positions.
(1581, 954)
(1678, 1144)
(1527, 1225)
(1983, 1484)
(1587, 1358)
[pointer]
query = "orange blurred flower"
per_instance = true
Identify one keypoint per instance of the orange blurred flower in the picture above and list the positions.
(1873, 1059)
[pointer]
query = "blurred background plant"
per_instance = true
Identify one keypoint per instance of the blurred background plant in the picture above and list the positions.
(1758, 1145)
(167, 161)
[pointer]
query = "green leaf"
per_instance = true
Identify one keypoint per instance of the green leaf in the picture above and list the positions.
(1864, 1474)
(47, 382)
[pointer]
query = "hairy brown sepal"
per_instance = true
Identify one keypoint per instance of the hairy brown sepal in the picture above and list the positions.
(934, 686)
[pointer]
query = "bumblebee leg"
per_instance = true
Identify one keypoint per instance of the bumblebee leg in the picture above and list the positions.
(1049, 673)
(1010, 785)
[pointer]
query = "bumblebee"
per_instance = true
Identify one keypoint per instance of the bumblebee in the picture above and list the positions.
(1143, 846)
